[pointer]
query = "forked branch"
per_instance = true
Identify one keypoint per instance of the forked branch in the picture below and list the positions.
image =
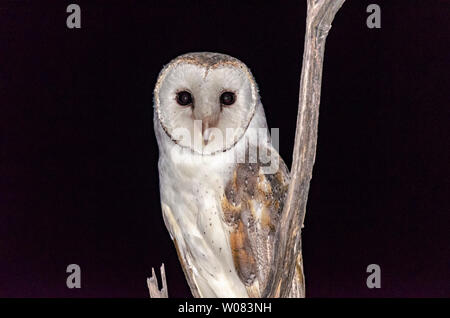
(152, 284)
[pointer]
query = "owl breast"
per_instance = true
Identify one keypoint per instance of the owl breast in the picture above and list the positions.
(191, 192)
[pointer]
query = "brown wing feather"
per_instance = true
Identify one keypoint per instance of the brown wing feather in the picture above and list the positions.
(252, 205)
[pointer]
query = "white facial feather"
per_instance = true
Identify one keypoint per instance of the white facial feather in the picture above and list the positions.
(225, 125)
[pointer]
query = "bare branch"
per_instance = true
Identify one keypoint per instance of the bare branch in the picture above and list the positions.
(320, 14)
(152, 284)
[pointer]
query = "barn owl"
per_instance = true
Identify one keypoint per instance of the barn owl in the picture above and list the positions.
(221, 202)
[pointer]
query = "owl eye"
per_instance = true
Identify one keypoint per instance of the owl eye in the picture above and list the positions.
(184, 98)
(227, 98)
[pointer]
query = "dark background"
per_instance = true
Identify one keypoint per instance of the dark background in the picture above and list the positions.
(78, 156)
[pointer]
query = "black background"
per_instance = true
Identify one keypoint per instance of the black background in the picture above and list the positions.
(78, 156)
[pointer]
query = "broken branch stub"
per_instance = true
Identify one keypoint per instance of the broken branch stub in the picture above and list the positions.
(152, 284)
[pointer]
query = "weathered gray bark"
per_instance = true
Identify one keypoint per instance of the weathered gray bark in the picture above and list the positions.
(320, 14)
(152, 284)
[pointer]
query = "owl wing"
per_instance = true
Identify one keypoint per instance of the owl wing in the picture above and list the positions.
(252, 204)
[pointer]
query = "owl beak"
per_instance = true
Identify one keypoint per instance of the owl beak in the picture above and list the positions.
(206, 133)
(209, 118)
(208, 123)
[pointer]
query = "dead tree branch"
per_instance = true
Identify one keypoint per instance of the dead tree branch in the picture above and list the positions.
(320, 14)
(152, 284)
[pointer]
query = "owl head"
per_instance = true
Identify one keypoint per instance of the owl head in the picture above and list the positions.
(205, 101)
